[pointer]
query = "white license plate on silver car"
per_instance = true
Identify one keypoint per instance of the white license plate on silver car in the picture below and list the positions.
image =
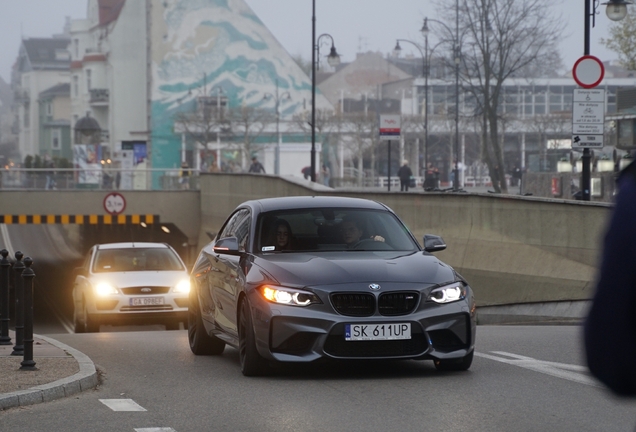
(373, 332)
(146, 301)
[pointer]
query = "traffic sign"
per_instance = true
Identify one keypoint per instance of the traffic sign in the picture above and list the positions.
(588, 118)
(114, 203)
(390, 127)
(588, 71)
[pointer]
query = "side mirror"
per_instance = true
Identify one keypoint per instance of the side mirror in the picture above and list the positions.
(79, 271)
(433, 243)
(227, 245)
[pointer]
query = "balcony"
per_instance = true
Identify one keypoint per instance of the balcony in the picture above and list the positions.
(21, 95)
(99, 97)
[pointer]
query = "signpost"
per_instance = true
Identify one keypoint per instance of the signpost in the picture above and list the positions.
(389, 129)
(588, 109)
(588, 118)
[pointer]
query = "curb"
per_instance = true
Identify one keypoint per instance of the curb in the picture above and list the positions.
(85, 379)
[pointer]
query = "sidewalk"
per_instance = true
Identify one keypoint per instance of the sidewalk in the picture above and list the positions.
(62, 371)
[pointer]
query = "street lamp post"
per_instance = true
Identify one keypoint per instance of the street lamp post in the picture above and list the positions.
(277, 100)
(616, 11)
(424, 31)
(334, 60)
(396, 52)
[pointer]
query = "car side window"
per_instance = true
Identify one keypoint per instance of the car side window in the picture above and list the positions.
(238, 226)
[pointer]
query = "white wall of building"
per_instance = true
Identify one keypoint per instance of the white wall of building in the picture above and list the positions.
(128, 74)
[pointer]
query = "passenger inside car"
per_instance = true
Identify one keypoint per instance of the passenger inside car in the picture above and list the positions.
(283, 235)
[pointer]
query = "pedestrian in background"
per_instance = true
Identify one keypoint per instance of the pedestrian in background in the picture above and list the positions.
(405, 174)
(325, 174)
(256, 167)
(610, 327)
(185, 176)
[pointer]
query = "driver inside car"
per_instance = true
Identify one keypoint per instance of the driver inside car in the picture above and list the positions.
(352, 233)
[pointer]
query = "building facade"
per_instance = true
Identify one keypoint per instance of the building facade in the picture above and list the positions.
(42, 64)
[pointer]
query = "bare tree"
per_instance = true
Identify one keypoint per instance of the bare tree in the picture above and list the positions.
(361, 136)
(623, 40)
(204, 122)
(247, 126)
(498, 39)
(325, 122)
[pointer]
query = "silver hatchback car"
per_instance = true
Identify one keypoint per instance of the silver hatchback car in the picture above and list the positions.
(122, 283)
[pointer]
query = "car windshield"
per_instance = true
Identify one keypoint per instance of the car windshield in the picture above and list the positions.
(136, 259)
(331, 229)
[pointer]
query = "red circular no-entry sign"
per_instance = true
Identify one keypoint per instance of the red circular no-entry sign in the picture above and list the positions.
(588, 71)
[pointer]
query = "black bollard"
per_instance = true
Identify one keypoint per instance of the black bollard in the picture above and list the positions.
(18, 267)
(5, 265)
(28, 275)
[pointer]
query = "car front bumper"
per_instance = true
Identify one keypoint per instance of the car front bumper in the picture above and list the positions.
(305, 334)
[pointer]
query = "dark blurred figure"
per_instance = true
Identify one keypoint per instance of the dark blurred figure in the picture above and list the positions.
(405, 174)
(610, 327)
(256, 166)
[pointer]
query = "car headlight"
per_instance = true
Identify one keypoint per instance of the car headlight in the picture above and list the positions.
(104, 289)
(448, 294)
(183, 286)
(288, 296)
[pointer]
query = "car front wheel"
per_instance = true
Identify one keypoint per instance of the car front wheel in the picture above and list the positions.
(200, 342)
(454, 365)
(252, 364)
(90, 323)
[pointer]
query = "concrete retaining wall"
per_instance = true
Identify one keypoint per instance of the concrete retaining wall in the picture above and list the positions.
(512, 249)
(179, 207)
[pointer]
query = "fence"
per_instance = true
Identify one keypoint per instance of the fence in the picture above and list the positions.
(99, 179)
(23, 307)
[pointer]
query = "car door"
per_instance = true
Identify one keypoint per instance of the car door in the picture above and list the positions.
(227, 278)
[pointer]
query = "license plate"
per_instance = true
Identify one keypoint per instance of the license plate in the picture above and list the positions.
(373, 332)
(146, 301)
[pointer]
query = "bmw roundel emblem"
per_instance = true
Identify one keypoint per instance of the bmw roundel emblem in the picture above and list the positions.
(374, 287)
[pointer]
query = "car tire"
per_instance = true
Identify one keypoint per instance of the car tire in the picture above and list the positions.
(77, 324)
(200, 342)
(462, 364)
(90, 323)
(252, 363)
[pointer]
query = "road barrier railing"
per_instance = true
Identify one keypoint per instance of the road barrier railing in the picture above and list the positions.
(98, 179)
(23, 285)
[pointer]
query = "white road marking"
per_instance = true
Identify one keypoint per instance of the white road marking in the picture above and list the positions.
(122, 405)
(155, 430)
(576, 373)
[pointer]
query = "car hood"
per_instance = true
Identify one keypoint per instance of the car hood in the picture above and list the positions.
(331, 268)
(141, 278)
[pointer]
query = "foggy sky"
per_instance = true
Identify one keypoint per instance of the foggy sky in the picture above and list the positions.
(356, 25)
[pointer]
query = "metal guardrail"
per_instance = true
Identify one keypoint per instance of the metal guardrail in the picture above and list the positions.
(98, 179)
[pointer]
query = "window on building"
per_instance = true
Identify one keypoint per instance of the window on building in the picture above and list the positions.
(75, 85)
(76, 47)
(88, 79)
(49, 108)
(56, 138)
(62, 54)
